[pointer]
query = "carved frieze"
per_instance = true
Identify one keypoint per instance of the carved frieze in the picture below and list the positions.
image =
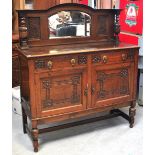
(49, 101)
(122, 89)
(40, 64)
(96, 58)
(101, 77)
(47, 85)
(124, 73)
(82, 59)
(75, 80)
(75, 97)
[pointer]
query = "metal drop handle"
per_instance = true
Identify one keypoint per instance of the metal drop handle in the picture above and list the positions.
(73, 62)
(49, 64)
(105, 59)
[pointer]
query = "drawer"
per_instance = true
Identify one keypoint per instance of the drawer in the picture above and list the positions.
(58, 62)
(110, 57)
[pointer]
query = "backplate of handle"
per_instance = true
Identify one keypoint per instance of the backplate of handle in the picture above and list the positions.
(73, 62)
(49, 64)
(105, 59)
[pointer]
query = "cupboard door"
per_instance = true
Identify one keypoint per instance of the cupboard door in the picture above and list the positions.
(61, 92)
(112, 84)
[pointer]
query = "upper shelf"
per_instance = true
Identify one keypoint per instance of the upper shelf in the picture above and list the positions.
(67, 24)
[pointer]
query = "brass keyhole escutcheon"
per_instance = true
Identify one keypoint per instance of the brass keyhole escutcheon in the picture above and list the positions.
(73, 62)
(105, 59)
(49, 64)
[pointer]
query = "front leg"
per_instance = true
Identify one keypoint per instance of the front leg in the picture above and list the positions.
(35, 139)
(35, 133)
(132, 113)
(24, 118)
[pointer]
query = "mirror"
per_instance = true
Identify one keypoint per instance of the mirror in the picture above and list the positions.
(69, 24)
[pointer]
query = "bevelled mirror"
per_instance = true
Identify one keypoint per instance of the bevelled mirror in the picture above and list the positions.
(69, 24)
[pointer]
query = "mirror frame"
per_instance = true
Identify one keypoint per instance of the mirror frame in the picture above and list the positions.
(84, 32)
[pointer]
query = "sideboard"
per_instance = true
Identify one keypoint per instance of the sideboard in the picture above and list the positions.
(75, 68)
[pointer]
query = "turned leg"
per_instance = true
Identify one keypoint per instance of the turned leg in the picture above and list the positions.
(24, 118)
(35, 133)
(132, 113)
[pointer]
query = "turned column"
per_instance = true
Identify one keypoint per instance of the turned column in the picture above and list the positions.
(117, 26)
(23, 34)
(132, 113)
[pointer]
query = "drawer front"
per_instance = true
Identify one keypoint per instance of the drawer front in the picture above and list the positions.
(60, 62)
(112, 57)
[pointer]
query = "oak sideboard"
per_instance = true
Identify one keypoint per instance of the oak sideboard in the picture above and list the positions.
(73, 65)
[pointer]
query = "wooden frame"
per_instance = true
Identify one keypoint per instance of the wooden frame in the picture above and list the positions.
(74, 77)
(109, 16)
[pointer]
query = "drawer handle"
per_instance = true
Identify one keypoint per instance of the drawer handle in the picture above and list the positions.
(124, 56)
(73, 62)
(49, 64)
(105, 59)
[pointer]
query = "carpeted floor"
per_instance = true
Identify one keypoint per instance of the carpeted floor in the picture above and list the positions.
(107, 137)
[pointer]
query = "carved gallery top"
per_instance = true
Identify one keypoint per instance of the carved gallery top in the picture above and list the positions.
(67, 24)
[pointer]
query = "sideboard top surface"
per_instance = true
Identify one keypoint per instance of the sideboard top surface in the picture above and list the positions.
(78, 48)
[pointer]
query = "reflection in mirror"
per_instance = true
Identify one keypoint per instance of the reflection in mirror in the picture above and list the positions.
(69, 24)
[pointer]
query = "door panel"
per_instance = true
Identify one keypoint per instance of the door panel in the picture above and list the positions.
(61, 92)
(112, 84)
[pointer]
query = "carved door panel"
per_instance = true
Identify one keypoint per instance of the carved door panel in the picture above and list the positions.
(61, 92)
(112, 84)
